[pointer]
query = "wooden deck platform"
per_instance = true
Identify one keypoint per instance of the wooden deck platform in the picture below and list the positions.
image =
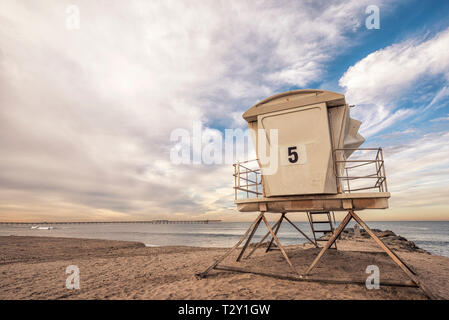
(305, 203)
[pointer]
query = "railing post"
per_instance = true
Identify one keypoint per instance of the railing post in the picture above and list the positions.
(377, 170)
(247, 184)
(238, 173)
(338, 180)
(235, 181)
(383, 169)
(347, 180)
(257, 186)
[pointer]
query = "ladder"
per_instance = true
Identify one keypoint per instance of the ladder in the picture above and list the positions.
(320, 225)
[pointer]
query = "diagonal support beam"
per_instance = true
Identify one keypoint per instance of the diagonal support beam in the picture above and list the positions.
(330, 242)
(263, 239)
(203, 274)
(278, 243)
(394, 257)
(249, 239)
(275, 232)
(351, 214)
(301, 232)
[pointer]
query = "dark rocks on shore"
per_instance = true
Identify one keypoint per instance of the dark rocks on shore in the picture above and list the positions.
(387, 236)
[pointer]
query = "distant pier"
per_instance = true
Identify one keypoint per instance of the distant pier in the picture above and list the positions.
(109, 222)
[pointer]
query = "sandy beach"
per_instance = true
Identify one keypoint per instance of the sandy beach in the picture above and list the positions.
(34, 268)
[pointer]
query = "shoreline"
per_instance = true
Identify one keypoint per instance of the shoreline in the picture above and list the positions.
(413, 246)
(431, 237)
(34, 268)
(347, 234)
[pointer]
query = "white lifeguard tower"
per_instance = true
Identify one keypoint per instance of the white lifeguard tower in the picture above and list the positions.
(315, 165)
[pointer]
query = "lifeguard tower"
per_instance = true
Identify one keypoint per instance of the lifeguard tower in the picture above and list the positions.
(312, 164)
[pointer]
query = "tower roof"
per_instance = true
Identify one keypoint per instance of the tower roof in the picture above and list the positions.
(293, 99)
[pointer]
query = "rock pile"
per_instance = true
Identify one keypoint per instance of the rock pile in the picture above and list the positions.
(387, 236)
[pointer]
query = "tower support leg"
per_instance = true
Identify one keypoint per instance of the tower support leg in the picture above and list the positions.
(275, 231)
(330, 242)
(263, 239)
(352, 215)
(278, 243)
(249, 239)
(300, 231)
(252, 229)
(257, 221)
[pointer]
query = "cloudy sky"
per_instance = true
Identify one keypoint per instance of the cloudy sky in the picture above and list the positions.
(87, 105)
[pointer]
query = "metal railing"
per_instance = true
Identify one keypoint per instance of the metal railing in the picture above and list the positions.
(247, 179)
(363, 170)
(358, 173)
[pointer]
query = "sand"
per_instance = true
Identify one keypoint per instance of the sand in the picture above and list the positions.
(34, 268)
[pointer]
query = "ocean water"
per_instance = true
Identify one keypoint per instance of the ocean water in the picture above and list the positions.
(429, 235)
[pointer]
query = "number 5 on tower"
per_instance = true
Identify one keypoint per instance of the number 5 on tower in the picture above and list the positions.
(293, 154)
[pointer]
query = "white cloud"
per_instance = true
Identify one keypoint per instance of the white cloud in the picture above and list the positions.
(86, 114)
(399, 133)
(382, 80)
(443, 93)
(440, 119)
(418, 172)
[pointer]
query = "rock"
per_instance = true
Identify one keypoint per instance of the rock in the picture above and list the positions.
(386, 233)
(356, 231)
(411, 244)
(388, 236)
(394, 238)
